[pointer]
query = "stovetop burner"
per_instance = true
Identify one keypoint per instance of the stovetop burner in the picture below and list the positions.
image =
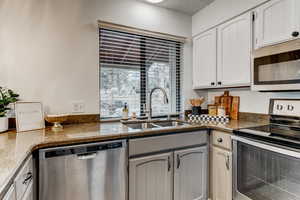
(274, 130)
(284, 125)
(276, 134)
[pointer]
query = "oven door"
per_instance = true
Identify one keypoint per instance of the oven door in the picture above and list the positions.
(264, 172)
(277, 72)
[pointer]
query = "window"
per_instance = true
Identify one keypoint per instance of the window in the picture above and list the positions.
(130, 66)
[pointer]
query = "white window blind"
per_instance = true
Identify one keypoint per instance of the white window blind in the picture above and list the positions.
(131, 65)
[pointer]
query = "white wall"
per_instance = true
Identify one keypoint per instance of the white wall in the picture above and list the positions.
(220, 11)
(253, 102)
(216, 13)
(49, 48)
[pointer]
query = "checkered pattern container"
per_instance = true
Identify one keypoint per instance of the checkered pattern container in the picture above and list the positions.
(208, 118)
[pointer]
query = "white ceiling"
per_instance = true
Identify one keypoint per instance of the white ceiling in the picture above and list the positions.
(189, 7)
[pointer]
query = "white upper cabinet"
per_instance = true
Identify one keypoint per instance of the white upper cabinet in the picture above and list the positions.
(204, 60)
(222, 56)
(277, 21)
(234, 52)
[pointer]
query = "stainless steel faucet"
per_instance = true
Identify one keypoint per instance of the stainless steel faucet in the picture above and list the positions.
(166, 100)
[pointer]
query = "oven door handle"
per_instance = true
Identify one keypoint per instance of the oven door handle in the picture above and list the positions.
(261, 145)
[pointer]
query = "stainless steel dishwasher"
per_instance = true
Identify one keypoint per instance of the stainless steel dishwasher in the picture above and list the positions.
(94, 171)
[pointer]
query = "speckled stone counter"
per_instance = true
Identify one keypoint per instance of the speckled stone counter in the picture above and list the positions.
(16, 147)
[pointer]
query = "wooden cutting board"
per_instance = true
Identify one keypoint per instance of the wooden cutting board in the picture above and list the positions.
(235, 107)
(230, 103)
(225, 101)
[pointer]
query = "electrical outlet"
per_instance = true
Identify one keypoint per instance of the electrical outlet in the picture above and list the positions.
(78, 107)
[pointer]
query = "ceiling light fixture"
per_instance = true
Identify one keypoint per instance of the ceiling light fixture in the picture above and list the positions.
(155, 1)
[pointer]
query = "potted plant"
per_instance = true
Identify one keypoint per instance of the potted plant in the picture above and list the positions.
(7, 97)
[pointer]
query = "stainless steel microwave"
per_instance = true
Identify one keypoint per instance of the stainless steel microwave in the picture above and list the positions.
(277, 68)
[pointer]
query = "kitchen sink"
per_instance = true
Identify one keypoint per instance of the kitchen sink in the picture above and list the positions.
(141, 125)
(154, 124)
(170, 123)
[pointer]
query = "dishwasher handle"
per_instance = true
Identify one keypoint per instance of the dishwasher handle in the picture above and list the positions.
(86, 156)
(83, 151)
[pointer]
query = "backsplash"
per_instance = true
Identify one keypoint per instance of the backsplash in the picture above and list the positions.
(254, 102)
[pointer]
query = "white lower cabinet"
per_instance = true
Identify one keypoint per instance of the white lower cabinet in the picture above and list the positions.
(180, 174)
(150, 178)
(221, 174)
(221, 166)
(22, 188)
(190, 174)
(24, 182)
(29, 193)
(11, 194)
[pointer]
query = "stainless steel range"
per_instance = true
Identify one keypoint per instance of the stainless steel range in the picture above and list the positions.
(267, 158)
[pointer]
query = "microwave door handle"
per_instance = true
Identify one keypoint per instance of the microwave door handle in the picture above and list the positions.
(280, 150)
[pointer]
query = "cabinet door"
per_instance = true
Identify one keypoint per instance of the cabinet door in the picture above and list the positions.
(150, 178)
(191, 174)
(11, 194)
(204, 60)
(277, 21)
(222, 174)
(29, 193)
(234, 52)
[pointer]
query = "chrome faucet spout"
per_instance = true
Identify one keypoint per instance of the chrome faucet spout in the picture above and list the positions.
(166, 99)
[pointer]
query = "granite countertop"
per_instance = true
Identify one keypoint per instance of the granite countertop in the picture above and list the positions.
(16, 147)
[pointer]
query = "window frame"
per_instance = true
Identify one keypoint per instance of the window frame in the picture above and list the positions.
(175, 93)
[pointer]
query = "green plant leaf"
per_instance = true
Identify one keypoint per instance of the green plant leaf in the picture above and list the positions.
(7, 96)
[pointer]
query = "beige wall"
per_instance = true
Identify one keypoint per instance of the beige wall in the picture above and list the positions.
(49, 48)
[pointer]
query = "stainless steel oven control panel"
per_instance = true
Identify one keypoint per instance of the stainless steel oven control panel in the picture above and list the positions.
(285, 107)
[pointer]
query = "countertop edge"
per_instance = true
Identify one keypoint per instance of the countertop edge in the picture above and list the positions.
(139, 134)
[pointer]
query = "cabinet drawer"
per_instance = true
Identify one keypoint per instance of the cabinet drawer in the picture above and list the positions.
(221, 139)
(166, 142)
(24, 178)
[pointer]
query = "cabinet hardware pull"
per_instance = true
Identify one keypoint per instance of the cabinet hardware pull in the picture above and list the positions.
(295, 34)
(178, 162)
(220, 83)
(28, 178)
(227, 162)
(169, 164)
(212, 83)
(220, 140)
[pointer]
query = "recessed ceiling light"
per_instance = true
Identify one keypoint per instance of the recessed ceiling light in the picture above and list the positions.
(155, 1)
